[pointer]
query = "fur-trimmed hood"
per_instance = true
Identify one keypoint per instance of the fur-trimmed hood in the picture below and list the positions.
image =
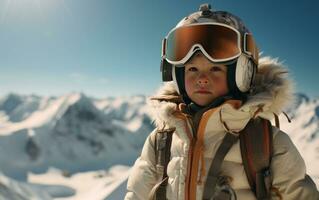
(273, 91)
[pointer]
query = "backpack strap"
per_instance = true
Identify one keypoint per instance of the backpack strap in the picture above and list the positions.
(214, 171)
(162, 147)
(256, 150)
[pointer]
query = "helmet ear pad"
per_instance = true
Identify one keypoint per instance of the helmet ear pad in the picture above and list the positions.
(240, 76)
(245, 73)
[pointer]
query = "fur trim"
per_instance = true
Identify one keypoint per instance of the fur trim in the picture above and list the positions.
(272, 88)
(272, 91)
(161, 111)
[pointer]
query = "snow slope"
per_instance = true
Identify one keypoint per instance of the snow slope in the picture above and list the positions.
(304, 131)
(14, 190)
(88, 185)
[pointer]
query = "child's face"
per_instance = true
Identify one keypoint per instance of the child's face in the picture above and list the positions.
(204, 80)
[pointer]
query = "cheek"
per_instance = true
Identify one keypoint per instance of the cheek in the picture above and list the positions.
(217, 79)
(189, 84)
(221, 83)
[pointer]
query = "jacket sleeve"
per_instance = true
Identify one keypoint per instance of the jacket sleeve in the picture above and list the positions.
(143, 174)
(289, 171)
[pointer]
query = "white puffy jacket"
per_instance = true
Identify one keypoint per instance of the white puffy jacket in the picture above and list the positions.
(191, 158)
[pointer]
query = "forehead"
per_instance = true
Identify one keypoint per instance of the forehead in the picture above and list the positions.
(198, 58)
(197, 54)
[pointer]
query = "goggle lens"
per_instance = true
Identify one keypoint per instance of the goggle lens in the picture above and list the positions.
(218, 41)
(251, 47)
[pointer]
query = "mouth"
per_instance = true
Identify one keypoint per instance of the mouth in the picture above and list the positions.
(203, 92)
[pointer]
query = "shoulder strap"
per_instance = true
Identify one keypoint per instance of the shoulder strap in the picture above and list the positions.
(256, 150)
(214, 171)
(162, 147)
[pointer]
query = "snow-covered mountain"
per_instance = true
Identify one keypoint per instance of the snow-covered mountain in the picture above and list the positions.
(72, 132)
(80, 135)
(304, 131)
(14, 190)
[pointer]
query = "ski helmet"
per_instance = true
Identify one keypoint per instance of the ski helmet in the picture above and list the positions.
(222, 37)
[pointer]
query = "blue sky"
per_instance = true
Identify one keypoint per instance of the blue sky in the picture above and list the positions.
(112, 47)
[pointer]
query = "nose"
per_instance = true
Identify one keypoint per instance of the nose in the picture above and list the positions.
(202, 80)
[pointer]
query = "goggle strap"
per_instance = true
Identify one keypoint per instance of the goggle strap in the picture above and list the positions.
(166, 69)
(163, 47)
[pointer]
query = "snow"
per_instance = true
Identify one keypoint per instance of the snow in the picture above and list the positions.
(74, 136)
(102, 104)
(14, 190)
(132, 125)
(43, 116)
(87, 185)
(304, 132)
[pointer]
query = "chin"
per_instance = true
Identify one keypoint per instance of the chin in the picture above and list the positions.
(202, 103)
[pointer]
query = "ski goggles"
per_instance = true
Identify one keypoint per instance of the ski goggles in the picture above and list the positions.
(218, 42)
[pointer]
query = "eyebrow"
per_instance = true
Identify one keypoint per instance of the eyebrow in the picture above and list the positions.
(214, 65)
(220, 66)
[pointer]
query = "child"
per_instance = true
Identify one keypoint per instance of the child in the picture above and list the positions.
(215, 94)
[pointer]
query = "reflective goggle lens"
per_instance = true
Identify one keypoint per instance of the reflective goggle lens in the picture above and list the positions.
(218, 41)
(251, 47)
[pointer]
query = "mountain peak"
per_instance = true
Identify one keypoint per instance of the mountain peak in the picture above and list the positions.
(10, 102)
